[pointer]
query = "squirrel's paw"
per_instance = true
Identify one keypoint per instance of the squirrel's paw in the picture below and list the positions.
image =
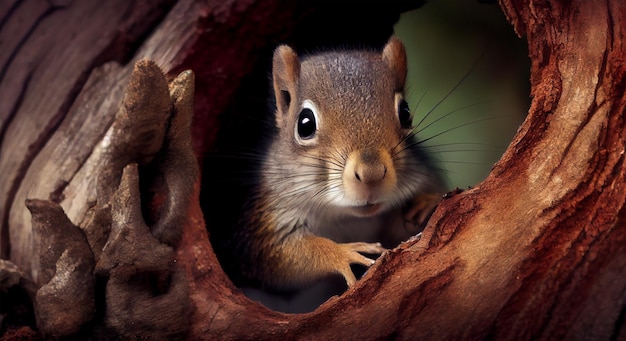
(352, 252)
(420, 210)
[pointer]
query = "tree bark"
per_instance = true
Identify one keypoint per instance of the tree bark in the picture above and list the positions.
(537, 250)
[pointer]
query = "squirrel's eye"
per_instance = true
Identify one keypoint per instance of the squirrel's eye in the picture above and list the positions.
(404, 114)
(306, 124)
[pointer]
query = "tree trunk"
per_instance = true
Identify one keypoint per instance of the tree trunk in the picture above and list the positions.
(537, 250)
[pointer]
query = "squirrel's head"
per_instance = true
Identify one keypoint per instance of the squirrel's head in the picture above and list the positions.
(343, 116)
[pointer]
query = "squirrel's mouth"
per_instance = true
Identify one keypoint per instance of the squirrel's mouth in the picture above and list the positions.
(369, 209)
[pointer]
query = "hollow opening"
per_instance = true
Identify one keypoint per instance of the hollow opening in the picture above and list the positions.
(466, 49)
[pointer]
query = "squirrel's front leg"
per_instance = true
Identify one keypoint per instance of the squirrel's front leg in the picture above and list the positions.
(307, 258)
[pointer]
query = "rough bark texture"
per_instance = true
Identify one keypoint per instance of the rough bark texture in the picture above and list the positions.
(538, 250)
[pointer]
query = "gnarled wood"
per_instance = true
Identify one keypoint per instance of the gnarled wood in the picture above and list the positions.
(538, 250)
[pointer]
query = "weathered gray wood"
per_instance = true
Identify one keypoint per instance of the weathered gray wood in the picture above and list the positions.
(66, 277)
(45, 71)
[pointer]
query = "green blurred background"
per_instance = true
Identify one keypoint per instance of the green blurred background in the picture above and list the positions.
(468, 45)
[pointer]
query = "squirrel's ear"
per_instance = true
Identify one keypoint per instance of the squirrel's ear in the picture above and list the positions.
(394, 56)
(285, 74)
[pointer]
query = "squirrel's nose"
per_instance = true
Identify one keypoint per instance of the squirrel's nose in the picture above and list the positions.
(370, 169)
(369, 174)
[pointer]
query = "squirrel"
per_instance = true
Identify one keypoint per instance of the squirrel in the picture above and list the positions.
(340, 177)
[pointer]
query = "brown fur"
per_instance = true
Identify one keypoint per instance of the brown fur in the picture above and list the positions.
(355, 172)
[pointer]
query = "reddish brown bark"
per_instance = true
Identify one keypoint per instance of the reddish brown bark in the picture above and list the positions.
(538, 250)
